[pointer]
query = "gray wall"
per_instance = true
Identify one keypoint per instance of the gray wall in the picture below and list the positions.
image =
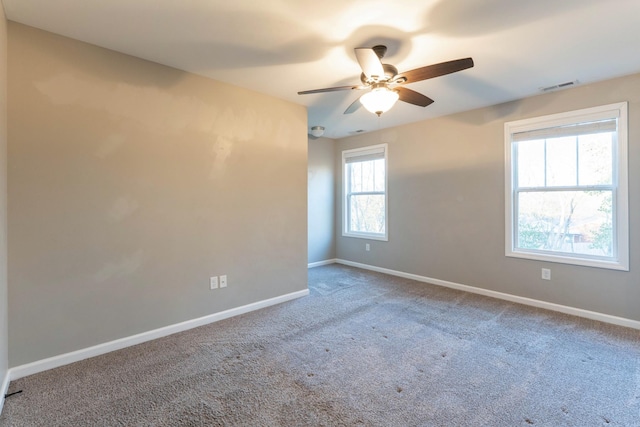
(446, 204)
(130, 183)
(3, 196)
(321, 200)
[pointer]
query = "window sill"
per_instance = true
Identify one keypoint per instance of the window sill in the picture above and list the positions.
(367, 236)
(583, 262)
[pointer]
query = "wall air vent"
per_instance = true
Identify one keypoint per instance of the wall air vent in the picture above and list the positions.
(559, 86)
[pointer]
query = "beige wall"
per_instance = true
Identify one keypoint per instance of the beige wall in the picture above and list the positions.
(130, 184)
(3, 196)
(321, 200)
(446, 204)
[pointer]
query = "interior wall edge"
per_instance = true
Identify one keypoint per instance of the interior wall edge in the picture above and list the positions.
(4, 388)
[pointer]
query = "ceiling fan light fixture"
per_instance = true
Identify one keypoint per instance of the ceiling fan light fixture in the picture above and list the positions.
(317, 131)
(379, 100)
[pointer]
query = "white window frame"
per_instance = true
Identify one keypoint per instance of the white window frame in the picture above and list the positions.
(371, 150)
(620, 259)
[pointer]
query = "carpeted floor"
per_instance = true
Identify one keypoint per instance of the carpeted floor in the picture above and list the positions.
(364, 349)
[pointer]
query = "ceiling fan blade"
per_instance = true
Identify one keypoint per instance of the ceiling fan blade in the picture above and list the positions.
(353, 107)
(369, 62)
(413, 97)
(331, 89)
(435, 70)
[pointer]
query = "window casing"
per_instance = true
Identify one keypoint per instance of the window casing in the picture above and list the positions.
(566, 188)
(364, 204)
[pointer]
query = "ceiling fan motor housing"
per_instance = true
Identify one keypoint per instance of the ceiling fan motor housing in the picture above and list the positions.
(389, 73)
(380, 50)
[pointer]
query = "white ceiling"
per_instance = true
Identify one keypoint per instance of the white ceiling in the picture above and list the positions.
(280, 47)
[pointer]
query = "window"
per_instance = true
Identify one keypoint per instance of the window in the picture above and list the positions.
(566, 188)
(364, 206)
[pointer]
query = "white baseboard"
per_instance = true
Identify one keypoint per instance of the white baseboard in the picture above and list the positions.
(65, 359)
(75, 356)
(5, 387)
(320, 263)
(593, 315)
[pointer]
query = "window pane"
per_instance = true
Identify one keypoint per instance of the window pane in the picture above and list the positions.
(366, 176)
(366, 213)
(355, 176)
(595, 159)
(561, 161)
(531, 163)
(379, 182)
(578, 222)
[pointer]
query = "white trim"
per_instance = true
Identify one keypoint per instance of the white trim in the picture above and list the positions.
(321, 263)
(593, 315)
(601, 112)
(375, 151)
(4, 388)
(75, 356)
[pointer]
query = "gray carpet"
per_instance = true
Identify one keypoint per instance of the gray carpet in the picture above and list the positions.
(364, 349)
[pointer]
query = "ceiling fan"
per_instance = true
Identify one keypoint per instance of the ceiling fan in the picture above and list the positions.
(386, 83)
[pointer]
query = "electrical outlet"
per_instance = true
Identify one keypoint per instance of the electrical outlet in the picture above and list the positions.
(213, 282)
(546, 274)
(367, 247)
(223, 281)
